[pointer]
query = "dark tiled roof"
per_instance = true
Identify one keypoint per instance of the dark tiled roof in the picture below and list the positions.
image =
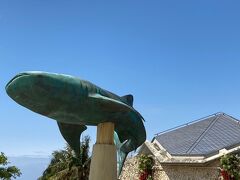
(204, 137)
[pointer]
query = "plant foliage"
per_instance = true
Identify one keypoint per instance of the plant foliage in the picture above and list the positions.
(231, 164)
(6, 173)
(64, 165)
(145, 166)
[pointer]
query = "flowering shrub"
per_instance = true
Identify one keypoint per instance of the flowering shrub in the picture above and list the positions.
(230, 167)
(145, 167)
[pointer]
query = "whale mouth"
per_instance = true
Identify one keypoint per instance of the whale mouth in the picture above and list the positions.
(16, 77)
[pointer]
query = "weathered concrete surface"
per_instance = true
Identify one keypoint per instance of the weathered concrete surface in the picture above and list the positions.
(173, 172)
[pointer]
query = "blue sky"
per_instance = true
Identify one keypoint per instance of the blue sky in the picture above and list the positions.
(180, 60)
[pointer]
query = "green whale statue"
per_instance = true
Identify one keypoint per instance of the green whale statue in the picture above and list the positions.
(75, 104)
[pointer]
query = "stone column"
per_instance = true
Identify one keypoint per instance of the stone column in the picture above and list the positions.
(104, 157)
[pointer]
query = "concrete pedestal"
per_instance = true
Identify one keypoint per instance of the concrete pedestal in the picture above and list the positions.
(104, 157)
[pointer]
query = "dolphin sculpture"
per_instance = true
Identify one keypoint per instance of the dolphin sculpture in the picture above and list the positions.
(75, 104)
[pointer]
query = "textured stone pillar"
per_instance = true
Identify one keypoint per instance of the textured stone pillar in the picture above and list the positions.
(104, 156)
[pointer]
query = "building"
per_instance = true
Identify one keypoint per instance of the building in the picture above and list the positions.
(191, 151)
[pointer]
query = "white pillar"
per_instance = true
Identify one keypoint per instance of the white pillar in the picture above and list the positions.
(104, 157)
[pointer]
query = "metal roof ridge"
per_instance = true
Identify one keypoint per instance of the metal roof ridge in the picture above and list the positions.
(231, 117)
(203, 134)
(191, 122)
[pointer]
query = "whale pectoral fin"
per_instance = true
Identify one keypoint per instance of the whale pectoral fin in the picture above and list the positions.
(109, 104)
(71, 133)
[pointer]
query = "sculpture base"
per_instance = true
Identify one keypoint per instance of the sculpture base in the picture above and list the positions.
(103, 162)
(104, 157)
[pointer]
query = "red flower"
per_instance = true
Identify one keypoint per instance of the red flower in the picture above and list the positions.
(144, 175)
(225, 175)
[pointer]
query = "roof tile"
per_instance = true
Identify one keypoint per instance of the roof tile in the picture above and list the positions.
(203, 137)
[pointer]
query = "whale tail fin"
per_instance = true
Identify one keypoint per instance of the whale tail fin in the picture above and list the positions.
(121, 155)
(123, 158)
(71, 133)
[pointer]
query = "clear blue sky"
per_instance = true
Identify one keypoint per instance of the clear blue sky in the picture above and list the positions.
(180, 60)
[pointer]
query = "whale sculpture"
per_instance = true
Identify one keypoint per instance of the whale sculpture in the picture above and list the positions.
(75, 104)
